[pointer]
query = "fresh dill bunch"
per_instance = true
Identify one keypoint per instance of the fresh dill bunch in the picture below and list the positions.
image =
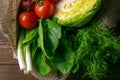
(96, 45)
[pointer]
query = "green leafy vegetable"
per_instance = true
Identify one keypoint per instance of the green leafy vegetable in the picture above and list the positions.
(54, 27)
(64, 57)
(96, 45)
(34, 47)
(52, 36)
(49, 35)
(31, 35)
(41, 38)
(40, 63)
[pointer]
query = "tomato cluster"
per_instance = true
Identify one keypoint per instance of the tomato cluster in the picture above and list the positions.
(31, 10)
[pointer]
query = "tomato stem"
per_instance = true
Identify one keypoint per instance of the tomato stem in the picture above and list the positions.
(40, 2)
(29, 6)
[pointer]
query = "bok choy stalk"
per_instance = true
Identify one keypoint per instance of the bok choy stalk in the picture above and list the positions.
(30, 36)
(28, 59)
(24, 51)
(21, 52)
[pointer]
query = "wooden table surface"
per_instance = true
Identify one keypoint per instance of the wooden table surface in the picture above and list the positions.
(9, 68)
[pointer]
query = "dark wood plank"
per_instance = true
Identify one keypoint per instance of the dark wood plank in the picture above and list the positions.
(12, 72)
(9, 68)
(6, 57)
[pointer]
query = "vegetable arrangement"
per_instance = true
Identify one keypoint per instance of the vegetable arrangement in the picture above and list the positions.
(51, 36)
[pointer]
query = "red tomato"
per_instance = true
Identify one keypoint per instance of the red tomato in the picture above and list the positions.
(28, 20)
(46, 10)
(27, 5)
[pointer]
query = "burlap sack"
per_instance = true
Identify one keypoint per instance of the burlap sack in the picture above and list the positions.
(8, 25)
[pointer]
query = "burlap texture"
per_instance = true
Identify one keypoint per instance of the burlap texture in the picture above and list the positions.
(8, 25)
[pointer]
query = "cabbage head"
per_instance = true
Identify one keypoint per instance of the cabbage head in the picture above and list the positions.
(75, 13)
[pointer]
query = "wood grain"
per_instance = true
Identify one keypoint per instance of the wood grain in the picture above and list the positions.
(9, 69)
(12, 72)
